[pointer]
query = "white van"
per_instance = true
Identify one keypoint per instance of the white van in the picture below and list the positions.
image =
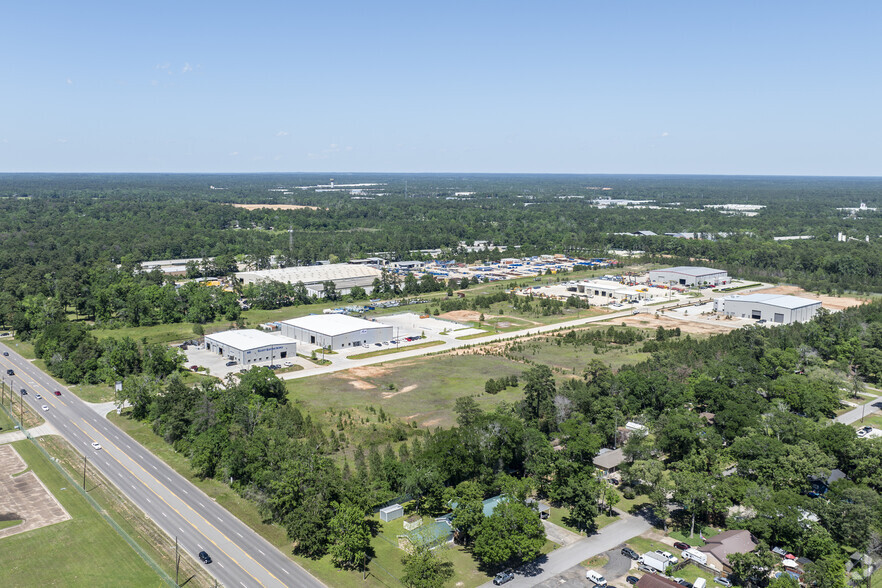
(596, 578)
(696, 556)
(699, 583)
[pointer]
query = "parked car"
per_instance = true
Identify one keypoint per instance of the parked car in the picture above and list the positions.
(630, 553)
(378, 344)
(231, 363)
(194, 367)
(645, 568)
(669, 555)
(204, 557)
(5, 354)
(684, 583)
(596, 577)
(632, 579)
(723, 581)
(503, 577)
(680, 545)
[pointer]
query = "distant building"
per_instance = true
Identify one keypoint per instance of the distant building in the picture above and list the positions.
(689, 276)
(336, 331)
(345, 276)
(249, 346)
(773, 308)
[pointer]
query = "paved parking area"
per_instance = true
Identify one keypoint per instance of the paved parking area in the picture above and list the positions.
(410, 324)
(24, 496)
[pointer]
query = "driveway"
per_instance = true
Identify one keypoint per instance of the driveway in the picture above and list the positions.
(561, 561)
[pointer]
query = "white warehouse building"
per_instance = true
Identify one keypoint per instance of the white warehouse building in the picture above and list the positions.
(336, 331)
(773, 308)
(689, 276)
(249, 346)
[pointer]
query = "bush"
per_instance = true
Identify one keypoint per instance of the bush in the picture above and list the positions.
(629, 493)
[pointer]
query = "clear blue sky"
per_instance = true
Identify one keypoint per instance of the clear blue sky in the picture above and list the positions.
(612, 86)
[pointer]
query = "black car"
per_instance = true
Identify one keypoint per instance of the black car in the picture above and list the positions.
(204, 557)
(632, 579)
(5, 354)
(24, 392)
(503, 577)
(10, 373)
(628, 552)
(685, 584)
(231, 363)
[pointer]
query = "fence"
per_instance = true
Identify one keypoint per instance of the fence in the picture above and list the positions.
(75, 484)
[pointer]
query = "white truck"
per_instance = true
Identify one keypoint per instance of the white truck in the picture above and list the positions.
(655, 561)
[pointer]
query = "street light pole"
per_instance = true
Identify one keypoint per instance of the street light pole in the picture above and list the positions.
(85, 461)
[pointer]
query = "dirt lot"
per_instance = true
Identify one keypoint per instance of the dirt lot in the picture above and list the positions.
(24, 497)
(274, 206)
(645, 321)
(464, 316)
(831, 302)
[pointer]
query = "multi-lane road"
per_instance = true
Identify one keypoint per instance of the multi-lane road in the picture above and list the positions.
(241, 557)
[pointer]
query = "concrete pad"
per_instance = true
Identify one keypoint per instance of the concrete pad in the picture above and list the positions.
(25, 497)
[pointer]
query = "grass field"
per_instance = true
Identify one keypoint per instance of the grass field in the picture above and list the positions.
(84, 551)
(393, 350)
(23, 348)
(422, 390)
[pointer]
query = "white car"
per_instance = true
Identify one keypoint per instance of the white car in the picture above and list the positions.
(668, 555)
(96, 445)
(45, 408)
(38, 397)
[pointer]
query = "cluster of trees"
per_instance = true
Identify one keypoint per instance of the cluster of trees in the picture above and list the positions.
(492, 386)
(73, 354)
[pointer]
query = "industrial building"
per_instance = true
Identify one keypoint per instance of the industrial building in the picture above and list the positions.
(345, 276)
(248, 346)
(336, 331)
(774, 308)
(689, 276)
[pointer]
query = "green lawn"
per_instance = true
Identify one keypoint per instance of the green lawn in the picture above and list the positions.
(874, 420)
(392, 350)
(23, 348)
(94, 392)
(9, 523)
(84, 551)
(642, 545)
(422, 390)
(633, 505)
(692, 572)
(559, 513)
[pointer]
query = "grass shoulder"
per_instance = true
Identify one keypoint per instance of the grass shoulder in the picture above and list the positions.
(380, 352)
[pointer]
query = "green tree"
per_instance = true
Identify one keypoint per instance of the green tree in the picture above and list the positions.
(828, 572)
(423, 569)
(349, 537)
(753, 567)
(513, 534)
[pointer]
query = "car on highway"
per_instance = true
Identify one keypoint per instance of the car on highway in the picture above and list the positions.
(96, 445)
(204, 557)
(723, 581)
(24, 392)
(58, 392)
(5, 354)
(680, 545)
(38, 397)
(630, 553)
(632, 579)
(503, 577)
(45, 408)
(10, 372)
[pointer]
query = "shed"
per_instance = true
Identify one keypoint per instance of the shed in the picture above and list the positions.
(390, 513)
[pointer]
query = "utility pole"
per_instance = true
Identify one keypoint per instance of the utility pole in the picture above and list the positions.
(177, 561)
(85, 462)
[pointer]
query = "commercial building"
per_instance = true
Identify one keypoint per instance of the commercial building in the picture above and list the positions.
(336, 331)
(609, 289)
(248, 346)
(689, 276)
(774, 308)
(345, 276)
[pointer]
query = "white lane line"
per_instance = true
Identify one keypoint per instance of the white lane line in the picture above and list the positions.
(202, 505)
(220, 564)
(163, 514)
(148, 500)
(261, 552)
(185, 492)
(181, 530)
(243, 583)
(286, 571)
(239, 534)
(154, 467)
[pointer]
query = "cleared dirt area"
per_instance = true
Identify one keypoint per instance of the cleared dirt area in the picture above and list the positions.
(361, 385)
(23, 497)
(645, 321)
(274, 206)
(831, 302)
(464, 315)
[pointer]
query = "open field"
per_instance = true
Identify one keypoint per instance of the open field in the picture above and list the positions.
(831, 302)
(421, 390)
(274, 206)
(61, 548)
(648, 321)
(23, 497)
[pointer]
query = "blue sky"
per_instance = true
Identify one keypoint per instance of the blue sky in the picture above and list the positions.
(614, 86)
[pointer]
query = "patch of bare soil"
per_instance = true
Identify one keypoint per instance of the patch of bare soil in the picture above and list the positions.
(695, 327)
(464, 315)
(831, 302)
(404, 390)
(24, 497)
(361, 385)
(274, 206)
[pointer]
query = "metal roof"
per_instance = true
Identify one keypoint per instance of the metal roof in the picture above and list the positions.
(610, 458)
(779, 300)
(690, 270)
(245, 339)
(333, 324)
(311, 274)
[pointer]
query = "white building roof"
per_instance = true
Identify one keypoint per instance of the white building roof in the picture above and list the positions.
(779, 300)
(310, 274)
(333, 324)
(245, 339)
(691, 271)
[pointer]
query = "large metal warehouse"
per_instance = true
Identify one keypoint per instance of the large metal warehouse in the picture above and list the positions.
(774, 308)
(336, 331)
(689, 276)
(248, 346)
(344, 275)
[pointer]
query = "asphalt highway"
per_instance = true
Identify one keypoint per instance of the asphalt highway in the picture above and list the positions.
(241, 558)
